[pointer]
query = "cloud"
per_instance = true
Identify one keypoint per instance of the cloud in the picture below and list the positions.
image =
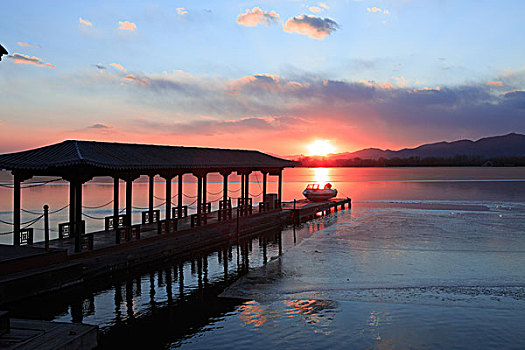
(20, 58)
(256, 16)
(99, 126)
(312, 26)
(126, 25)
(138, 80)
(181, 11)
(316, 9)
(28, 45)
(495, 83)
(378, 10)
(100, 66)
(84, 22)
(119, 67)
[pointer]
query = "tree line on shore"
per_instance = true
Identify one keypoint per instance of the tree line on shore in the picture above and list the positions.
(459, 160)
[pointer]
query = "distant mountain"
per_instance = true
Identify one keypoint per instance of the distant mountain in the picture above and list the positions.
(511, 145)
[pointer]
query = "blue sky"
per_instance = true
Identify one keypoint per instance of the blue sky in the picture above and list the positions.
(210, 73)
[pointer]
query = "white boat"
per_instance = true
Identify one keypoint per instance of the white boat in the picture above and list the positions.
(316, 194)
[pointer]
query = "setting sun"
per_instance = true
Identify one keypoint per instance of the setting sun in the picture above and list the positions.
(320, 148)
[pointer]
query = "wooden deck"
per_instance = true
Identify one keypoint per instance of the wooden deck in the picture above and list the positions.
(44, 335)
(303, 209)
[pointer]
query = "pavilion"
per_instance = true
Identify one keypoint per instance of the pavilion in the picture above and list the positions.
(79, 161)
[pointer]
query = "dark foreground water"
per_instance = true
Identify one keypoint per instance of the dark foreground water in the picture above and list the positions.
(426, 258)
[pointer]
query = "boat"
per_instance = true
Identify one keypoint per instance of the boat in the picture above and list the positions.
(315, 193)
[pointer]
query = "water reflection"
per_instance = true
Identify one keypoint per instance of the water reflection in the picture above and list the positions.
(321, 176)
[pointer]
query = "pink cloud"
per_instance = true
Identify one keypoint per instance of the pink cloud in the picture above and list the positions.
(126, 25)
(28, 45)
(256, 16)
(84, 22)
(312, 26)
(138, 80)
(20, 58)
(495, 83)
(118, 66)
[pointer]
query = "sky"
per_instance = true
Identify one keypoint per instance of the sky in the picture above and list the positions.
(275, 76)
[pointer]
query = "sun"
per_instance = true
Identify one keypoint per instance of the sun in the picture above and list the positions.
(320, 148)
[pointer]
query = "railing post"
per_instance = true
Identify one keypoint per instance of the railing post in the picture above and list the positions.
(46, 226)
(16, 209)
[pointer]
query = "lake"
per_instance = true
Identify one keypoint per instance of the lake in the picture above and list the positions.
(426, 258)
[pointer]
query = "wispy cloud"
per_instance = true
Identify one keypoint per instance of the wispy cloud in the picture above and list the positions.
(20, 58)
(28, 45)
(100, 66)
(320, 8)
(127, 25)
(256, 16)
(312, 26)
(181, 11)
(378, 10)
(84, 22)
(495, 83)
(138, 80)
(119, 67)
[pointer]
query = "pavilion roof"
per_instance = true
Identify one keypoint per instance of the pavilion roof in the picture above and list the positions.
(133, 157)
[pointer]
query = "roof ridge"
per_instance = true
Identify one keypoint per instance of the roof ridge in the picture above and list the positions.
(78, 150)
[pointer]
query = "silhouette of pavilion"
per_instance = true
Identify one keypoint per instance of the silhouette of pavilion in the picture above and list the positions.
(79, 161)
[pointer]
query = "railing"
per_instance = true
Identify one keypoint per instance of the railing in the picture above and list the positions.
(225, 210)
(206, 207)
(86, 241)
(199, 219)
(26, 236)
(66, 229)
(127, 233)
(109, 222)
(175, 212)
(167, 226)
(146, 219)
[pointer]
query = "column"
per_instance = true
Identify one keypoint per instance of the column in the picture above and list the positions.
(129, 202)
(204, 190)
(247, 186)
(280, 185)
(150, 197)
(179, 203)
(225, 175)
(168, 196)
(116, 185)
(199, 195)
(78, 216)
(265, 175)
(16, 209)
(242, 186)
(72, 201)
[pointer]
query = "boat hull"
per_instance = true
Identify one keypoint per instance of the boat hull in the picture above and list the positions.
(319, 195)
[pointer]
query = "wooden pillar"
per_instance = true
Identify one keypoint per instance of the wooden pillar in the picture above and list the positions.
(168, 196)
(129, 202)
(265, 176)
(280, 185)
(242, 185)
(78, 216)
(16, 209)
(150, 197)
(179, 203)
(204, 190)
(199, 194)
(116, 185)
(225, 175)
(72, 202)
(247, 186)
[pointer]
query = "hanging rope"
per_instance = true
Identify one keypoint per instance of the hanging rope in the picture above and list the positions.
(256, 195)
(98, 206)
(146, 208)
(32, 184)
(23, 223)
(214, 193)
(93, 217)
(163, 199)
(34, 212)
(237, 190)
(185, 195)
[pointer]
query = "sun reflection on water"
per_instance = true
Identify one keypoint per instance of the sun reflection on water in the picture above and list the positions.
(321, 176)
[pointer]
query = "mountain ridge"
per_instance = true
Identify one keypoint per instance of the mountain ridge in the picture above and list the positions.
(509, 145)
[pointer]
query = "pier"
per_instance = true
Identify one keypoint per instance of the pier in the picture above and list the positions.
(303, 210)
